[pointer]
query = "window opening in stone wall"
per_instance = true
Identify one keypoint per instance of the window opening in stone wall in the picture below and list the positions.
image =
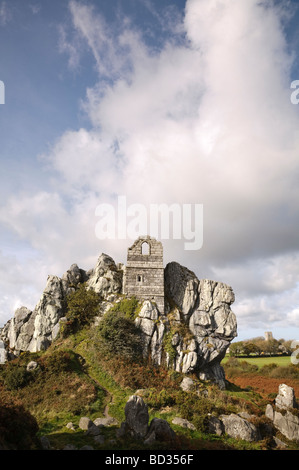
(145, 249)
(139, 278)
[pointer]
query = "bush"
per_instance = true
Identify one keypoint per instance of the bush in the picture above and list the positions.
(247, 367)
(61, 360)
(195, 409)
(267, 369)
(285, 372)
(128, 307)
(160, 399)
(235, 367)
(82, 307)
(16, 377)
(119, 336)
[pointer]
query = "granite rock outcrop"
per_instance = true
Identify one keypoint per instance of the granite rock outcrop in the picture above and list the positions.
(284, 413)
(35, 330)
(191, 335)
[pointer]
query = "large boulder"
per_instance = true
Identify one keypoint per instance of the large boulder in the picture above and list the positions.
(239, 428)
(285, 398)
(288, 424)
(196, 329)
(284, 413)
(72, 278)
(85, 423)
(47, 314)
(136, 413)
(137, 424)
(3, 353)
(35, 330)
(19, 330)
(152, 328)
(159, 431)
(105, 279)
(182, 286)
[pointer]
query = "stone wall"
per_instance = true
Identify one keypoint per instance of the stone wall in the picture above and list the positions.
(144, 272)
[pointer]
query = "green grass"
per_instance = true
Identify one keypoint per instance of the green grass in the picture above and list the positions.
(282, 361)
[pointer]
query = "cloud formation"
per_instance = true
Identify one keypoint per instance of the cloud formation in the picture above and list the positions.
(205, 118)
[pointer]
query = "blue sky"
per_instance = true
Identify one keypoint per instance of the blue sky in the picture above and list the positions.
(162, 102)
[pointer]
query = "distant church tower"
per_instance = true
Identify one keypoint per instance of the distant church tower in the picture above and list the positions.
(268, 335)
(144, 272)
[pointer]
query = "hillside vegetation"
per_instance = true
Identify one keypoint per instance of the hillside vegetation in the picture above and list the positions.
(81, 375)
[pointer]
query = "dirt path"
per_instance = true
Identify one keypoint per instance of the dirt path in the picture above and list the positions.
(108, 395)
(106, 409)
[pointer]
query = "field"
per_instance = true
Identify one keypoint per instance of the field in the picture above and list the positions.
(262, 374)
(259, 361)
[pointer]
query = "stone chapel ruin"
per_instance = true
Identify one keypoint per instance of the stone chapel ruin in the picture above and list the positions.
(144, 272)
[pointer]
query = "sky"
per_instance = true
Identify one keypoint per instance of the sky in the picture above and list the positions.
(152, 102)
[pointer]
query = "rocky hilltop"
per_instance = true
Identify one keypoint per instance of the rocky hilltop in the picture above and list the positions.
(191, 336)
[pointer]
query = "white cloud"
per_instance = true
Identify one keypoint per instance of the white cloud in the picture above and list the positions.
(111, 49)
(85, 162)
(206, 121)
(71, 49)
(5, 13)
(35, 8)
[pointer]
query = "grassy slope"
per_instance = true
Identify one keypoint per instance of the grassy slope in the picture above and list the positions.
(83, 383)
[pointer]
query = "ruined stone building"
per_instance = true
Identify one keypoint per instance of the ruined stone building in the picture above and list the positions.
(144, 272)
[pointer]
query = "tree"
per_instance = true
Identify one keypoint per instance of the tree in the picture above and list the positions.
(250, 348)
(272, 347)
(235, 349)
(286, 346)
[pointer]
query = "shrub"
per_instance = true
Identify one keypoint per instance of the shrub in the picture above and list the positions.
(82, 307)
(285, 372)
(236, 367)
(160, 399)
(61, 360)
(168, 346)
(195, 408)
(128, 307)
(135, 374)
(16, 377)
(119, 336)
(247, 367)
(267, 369)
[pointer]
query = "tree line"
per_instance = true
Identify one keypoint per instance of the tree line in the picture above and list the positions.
(261, 347)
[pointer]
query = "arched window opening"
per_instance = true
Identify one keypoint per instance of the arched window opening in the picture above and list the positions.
(145, 248)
